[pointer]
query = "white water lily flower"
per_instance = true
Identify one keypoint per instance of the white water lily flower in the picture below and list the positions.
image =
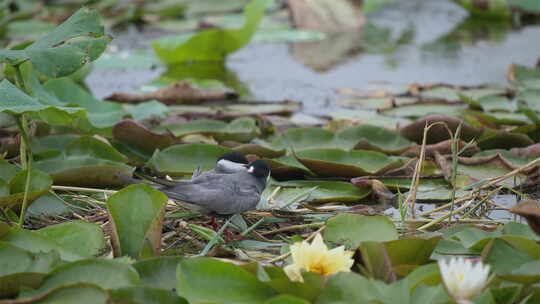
(463, 279)
(316, 257)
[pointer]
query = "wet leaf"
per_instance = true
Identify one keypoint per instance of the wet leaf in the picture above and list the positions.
(230, 283)
(212, 44)
(334, 162)
(48, 204)
(184, 159)
(137, 216)
(424, 109)
(351, 229)
(528, 273)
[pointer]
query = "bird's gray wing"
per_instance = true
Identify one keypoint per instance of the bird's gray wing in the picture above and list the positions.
(219, 193)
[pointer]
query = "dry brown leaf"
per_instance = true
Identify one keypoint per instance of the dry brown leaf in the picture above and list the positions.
(530, 210)
(327, 15)
(180, 92)
(443, 148)
(415, 130)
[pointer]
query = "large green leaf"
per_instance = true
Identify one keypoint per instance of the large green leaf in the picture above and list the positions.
(67, 48)
(82, 293)
(369, 137)
(326, 191)
(100, 114)
(86, 239)
(184, 159)
(352, 229)
(86, 161)
(159, 272)
(14, 101)
(212, 44)
(344, 286)
(107, 274)
(40, 183)
(336, 162)
(146, 295)
(20, 268)
(137, 216)
(34, 242)
(228, 283)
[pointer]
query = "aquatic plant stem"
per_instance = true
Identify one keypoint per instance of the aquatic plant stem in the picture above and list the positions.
(25, 149)
(455, 146)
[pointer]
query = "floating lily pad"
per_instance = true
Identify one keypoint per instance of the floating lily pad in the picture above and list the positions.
(324, 192)
(287, 167)
(352, 229)
(370, 117)
(86, 161)
(424, 109)
(375, 138)
(181, 160)
(452, 94)
(377, 103)
(241, 129)
(335, 162)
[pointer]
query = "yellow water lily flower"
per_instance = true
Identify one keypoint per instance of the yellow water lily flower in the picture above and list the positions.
(463, 279)
(316, 257)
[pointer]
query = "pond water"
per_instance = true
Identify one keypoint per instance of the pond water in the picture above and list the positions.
(424, 41)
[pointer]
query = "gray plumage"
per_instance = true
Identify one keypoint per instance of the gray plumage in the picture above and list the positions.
(219, 193)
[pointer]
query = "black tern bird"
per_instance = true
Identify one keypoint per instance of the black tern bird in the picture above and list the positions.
(221, 193)
(228, 162)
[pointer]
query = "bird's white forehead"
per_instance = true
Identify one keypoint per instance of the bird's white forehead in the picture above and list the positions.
(251, 169)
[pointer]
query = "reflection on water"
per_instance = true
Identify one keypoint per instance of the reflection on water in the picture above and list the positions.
(422, 41)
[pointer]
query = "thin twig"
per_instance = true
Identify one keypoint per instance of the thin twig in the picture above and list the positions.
(82, 189)
(294, 227)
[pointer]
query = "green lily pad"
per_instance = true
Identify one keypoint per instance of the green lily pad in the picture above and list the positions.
(85, 239)
(40, 183)
(424, 109)
(137, 217)
(67, 48)
(528, 273)
(375, 138)
(107, 274)
(181, 160)
(158, 272)
(240, 129)
(86, 161)
(34, 242)
(230, 283)
(326, 191)
(370, 117)
(147, 295)
(352, 229)
(335, 162)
